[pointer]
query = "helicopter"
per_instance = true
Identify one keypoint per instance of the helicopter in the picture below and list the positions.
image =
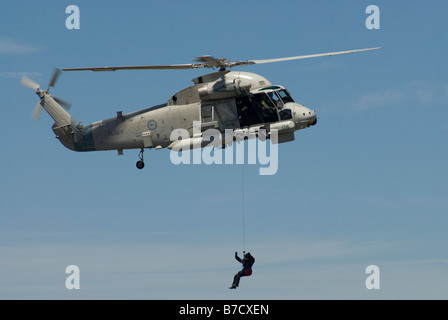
(222, 100)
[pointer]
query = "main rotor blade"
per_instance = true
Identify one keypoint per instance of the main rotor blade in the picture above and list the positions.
(54, 77)
(37, 111)
(309, 56)
(210, 62)
(162, 67)
(29, 83)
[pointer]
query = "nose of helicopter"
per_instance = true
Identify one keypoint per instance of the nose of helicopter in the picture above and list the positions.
(304, 117)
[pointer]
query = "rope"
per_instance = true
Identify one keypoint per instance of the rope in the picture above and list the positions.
(244, 231)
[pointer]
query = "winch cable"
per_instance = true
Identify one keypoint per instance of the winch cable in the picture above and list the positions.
(243, 209)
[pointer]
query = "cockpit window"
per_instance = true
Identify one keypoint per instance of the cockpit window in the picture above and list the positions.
(256, 109)
(275, 99)
(284, 95)
(268, 109)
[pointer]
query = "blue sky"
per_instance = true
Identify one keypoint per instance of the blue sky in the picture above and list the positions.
(366, 186)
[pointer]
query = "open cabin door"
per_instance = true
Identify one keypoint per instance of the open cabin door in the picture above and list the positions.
(221, 115)
(207, 117)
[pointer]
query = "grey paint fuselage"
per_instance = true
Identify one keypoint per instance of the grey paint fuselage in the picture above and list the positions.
(152, 127)
(125, 132)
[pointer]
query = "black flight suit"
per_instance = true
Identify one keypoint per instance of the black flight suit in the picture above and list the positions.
(247, 262)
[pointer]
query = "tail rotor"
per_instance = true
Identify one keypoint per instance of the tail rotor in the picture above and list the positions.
(27, 82)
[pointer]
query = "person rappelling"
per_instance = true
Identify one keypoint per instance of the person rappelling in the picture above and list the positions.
(247, 262)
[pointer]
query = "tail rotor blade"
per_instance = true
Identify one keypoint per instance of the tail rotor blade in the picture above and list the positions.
(54, 77)
(27, 82)
(37, 111)
(63, 102)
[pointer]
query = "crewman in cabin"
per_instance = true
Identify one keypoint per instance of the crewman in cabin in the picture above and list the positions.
(247, 262)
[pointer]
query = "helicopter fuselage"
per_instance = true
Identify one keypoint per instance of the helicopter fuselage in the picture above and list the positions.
(223, 100)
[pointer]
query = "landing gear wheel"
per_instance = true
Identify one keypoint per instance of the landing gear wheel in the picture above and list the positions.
(140, 164)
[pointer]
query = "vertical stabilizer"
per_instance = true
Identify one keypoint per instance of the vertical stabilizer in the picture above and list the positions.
(58, 113)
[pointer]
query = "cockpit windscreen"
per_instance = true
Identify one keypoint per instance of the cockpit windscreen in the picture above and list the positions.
(284, 95)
